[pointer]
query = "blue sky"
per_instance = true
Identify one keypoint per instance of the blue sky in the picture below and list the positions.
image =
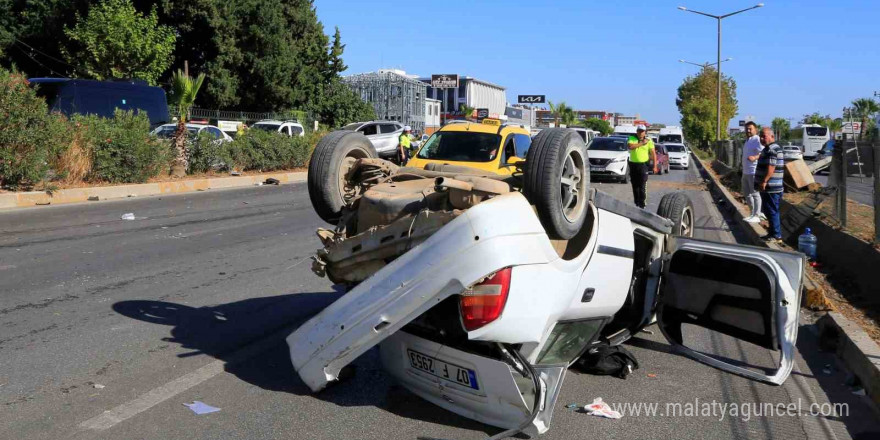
(789, 57)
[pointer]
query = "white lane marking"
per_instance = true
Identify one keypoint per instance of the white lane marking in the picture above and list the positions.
(153, 397)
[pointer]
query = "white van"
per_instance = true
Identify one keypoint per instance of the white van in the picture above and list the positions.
(672, 135)
(624, 130)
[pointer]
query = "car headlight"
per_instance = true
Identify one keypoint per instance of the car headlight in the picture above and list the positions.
(619, 159)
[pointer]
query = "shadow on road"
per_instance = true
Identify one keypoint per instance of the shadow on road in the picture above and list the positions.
(221, 331)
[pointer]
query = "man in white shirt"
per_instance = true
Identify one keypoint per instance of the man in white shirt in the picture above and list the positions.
(751, 151)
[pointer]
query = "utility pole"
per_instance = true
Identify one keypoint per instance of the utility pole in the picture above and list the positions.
(718, 88)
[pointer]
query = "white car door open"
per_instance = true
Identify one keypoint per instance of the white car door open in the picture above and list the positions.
(749, 293)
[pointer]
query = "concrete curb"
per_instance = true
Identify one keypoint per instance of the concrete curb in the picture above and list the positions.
(855, 348)
(858, 351)
(814, 296)
(79, 195)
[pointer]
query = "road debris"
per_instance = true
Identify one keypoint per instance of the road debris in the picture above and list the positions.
(98, 386)
(258, 184)
(601, 409)
(94, 198)
(652, 375)
(128, 216)
(201, 408)
(272, 181)
(572, 405)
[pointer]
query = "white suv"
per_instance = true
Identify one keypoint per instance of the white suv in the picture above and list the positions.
(284, 127)
(384, 135)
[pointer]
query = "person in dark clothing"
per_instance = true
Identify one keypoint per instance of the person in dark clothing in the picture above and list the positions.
(641, 155)
(768, 180)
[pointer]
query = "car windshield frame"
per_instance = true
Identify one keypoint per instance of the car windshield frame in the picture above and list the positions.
(605, 143)
(817, 131)
(675, 148)
(457, 146)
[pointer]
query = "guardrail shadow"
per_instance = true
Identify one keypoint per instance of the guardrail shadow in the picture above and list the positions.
(227, 331)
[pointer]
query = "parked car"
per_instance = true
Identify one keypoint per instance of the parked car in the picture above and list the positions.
(289, 128)
(89, 97)
(609, 157)
(383, 135)
(167, 131)
(792, 152)
(662, 159)
(483, 289)
(679, 155)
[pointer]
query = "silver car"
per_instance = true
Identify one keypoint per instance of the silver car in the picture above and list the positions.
(383, 135)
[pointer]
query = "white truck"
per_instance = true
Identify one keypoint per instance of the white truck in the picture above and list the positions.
(481, 290)
(672, 135)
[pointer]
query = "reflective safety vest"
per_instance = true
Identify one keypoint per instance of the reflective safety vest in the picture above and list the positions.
(405, 141)
(641, 154)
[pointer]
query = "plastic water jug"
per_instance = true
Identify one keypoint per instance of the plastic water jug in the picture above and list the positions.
(807, 244)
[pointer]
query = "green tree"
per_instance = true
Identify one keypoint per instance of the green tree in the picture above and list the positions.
(697, 105)
(184, 90)
(466, 111)
(782, 128)
(569, 117)
(865, 109)
(817, 119)
(261, 55)
(339, 105)
(599, 125)
(116, 41)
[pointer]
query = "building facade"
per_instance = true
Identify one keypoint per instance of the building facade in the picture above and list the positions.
(471, 92)
(394, 95)
(432, 115)
(545, 118)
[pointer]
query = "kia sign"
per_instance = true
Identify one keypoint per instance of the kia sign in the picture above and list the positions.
(444, 81)
(482, 113)
(531, 99)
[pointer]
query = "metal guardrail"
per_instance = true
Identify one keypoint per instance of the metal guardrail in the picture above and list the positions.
(235, 115)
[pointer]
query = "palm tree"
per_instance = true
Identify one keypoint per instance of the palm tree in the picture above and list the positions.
(466, 111)
(569, 117)
(865, 108)
(781, 127)
(558, 111)
(184, 90)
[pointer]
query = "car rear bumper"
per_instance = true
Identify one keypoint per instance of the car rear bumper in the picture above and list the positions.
(498, 401)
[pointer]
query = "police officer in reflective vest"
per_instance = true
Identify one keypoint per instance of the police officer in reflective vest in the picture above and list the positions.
(404, 144)
(641, 155)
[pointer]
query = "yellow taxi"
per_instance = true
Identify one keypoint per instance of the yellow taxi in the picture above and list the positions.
(489, 146)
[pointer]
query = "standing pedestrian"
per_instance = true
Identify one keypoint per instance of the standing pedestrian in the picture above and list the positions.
(751, 152)
(641, 153)
(404, 144)
(768, 180)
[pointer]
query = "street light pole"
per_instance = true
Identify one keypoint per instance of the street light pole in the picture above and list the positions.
(706, 64)
(718, 91)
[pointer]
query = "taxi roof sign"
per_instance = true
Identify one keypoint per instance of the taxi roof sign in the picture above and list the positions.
(491, 121)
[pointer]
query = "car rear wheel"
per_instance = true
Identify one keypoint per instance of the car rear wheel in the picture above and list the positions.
(557, 181)
(678, 207)
(330, 162)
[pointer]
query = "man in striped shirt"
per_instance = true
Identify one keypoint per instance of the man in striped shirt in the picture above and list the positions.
(768, 180)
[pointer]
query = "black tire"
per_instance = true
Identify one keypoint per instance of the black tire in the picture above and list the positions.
(557, 181)
(330, 161)
(677, 206)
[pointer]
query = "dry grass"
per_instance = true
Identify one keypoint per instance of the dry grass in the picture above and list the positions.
(75, 163)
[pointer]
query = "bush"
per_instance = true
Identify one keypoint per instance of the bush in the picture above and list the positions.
(207, 154)
(267, 151)
(122, 148)
(29, 136)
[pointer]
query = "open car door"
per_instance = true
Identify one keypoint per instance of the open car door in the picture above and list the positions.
(749, 293)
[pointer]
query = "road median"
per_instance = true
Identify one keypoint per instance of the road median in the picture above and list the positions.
(99, 193)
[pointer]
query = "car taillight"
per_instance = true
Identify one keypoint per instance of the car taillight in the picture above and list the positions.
(484, 302)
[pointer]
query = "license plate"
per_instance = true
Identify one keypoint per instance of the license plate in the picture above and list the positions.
(442, 369)
(597, 168)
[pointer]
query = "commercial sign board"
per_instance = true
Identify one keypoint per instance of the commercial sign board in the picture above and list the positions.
(852, 128)
(482, 113)
(742, 123)
(444, 81)
(531, 99)
(228, 125)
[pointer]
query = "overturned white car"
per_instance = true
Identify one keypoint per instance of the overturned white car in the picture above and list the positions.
(482, 290)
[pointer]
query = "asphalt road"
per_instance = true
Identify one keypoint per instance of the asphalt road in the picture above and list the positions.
(107, 327)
